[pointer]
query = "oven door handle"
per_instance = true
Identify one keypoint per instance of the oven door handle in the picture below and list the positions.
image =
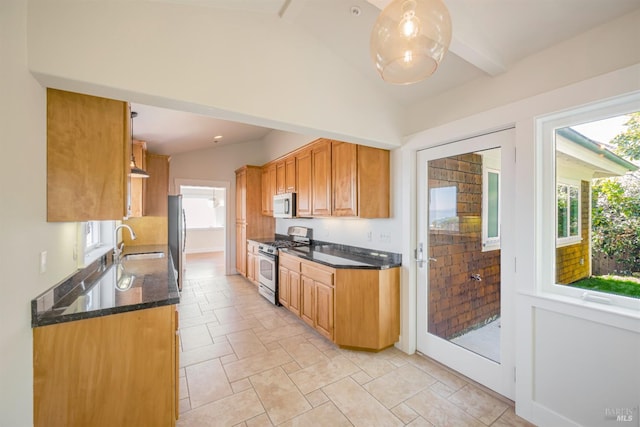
(267, 255)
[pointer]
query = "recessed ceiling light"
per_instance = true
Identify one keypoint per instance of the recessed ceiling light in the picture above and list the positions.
(217, 137)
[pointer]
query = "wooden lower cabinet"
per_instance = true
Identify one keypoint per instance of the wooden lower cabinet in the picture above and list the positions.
(307, 291)
(367, 308)
(289, 283)
(114, 370)
(354, 308)
(324, 309)
(241, 248)
(252, 261)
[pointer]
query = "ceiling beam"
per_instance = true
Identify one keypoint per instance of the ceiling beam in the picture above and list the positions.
(475, 54)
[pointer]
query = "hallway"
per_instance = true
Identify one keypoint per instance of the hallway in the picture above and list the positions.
(245, 362)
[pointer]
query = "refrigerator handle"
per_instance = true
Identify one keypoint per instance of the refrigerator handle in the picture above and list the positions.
(184, 231)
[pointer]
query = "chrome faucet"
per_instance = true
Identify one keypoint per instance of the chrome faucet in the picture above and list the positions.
(118, 250)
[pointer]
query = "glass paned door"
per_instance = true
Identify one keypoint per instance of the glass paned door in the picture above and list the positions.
(464, 276)
(462, 198)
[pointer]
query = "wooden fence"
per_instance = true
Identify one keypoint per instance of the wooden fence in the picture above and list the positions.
(603, 264)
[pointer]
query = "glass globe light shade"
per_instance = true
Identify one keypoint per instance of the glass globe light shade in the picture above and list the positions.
(409, 40)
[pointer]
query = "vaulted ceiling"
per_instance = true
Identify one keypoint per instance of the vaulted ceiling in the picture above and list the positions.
(489, 37)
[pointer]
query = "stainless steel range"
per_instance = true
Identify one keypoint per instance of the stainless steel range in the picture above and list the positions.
(268, 260)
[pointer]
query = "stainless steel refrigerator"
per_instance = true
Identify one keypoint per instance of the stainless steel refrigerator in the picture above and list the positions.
(177, 235)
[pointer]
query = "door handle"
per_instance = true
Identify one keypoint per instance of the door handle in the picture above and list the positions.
(419, 255)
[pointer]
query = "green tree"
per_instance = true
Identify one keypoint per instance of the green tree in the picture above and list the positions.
(616, 205)
(628, 142)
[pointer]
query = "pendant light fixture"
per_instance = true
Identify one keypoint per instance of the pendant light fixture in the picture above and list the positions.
(136, 172)
(409, 40)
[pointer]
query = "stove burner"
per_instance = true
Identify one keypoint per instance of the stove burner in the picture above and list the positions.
(279, 244)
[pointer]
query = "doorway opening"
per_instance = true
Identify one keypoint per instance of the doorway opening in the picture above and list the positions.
(205, 204)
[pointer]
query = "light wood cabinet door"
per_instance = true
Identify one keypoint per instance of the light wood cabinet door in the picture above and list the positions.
(307, 294)
(290, 174)
(373, 182)
(321, 179)
(303, 183)
(283, 286)
(252, 261)
(88, 151)
(241, 195)
(268, 188)
(93, 372)
(344, 168)
(156, 187)
(323, 298)
(294, 292)
(241, 248)
(281, 185)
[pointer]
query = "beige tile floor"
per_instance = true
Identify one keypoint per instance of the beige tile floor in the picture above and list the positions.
(245, 362)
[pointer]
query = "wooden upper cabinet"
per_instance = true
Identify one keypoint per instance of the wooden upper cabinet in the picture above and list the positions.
(344, 167)
(88, 150)
(374, 188)
(268, 188)
(321, 178)
(156, 187)
(281, 185)
(290, 174)
(303, 183)
(331, 178)
(360, 181)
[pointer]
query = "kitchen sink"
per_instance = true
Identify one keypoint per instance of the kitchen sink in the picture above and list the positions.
(147, 255)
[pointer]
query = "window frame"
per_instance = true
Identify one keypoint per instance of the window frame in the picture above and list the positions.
(490, 243)
(84, 254)
(546, 208)
(569, 239)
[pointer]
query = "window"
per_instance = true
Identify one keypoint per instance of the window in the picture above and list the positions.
(491, 199)
(568, 214)
(204, 206)
(94, 238)
(491, 210)
(443, 208)
(92, 235)
(588, 215)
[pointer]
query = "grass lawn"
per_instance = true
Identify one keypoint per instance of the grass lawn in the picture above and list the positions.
(629, 286)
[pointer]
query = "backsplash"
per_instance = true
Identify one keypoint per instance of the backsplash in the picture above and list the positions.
(365, 233)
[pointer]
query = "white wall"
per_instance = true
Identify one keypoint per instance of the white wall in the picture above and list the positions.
(574, 359)
(243, 66)
(24, 230)
(205, 240)
(609, 47)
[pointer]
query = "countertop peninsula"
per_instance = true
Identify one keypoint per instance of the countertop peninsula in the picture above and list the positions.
(106, 287)
(340, 256)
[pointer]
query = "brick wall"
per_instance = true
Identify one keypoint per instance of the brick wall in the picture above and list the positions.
(456, 302)
(572, 262)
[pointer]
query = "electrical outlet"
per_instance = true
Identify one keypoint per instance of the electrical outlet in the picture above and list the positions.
(369, 236)
(385, 237)
(43, 262)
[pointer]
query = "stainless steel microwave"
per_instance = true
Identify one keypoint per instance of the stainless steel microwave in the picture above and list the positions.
(284, 205)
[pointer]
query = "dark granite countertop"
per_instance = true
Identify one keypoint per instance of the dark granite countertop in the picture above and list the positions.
(105, 287)
(343, 256)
